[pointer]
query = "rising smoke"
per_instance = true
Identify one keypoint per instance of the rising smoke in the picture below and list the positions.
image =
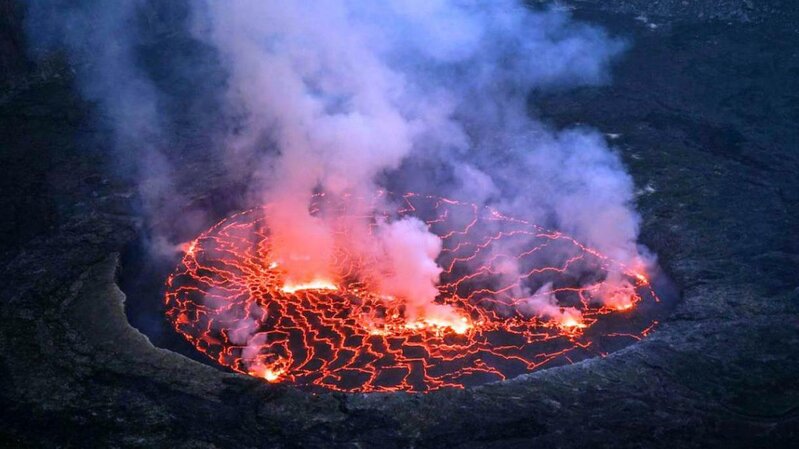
(346, 97)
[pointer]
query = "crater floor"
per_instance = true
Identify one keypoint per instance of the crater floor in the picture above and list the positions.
(704, 113)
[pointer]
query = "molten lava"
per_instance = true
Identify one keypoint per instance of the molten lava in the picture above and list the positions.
(233, 302)
(317, 284)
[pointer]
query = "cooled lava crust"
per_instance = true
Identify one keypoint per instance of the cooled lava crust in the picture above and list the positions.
(229, 298)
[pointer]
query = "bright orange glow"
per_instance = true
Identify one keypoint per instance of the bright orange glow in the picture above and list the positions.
(232, 299)
(187, 247)
(572, 323)
(459, 326)
(316, 284)
(269, 373)
(272, 376)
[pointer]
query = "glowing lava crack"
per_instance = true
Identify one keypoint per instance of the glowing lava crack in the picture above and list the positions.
(231, 301)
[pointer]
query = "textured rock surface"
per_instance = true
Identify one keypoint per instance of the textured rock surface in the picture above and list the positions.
(693, 10)
(706, 116)
(12, 48)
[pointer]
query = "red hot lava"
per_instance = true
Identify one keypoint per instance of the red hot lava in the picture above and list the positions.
(230, 300)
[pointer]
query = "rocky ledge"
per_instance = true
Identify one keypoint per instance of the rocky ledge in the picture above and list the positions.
(703, 113)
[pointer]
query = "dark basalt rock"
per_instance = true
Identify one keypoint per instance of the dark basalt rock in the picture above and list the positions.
(706, 116)
(735, 11)
(13, 58)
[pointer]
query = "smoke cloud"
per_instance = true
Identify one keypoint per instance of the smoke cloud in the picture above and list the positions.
(543, 303)
(347, 97)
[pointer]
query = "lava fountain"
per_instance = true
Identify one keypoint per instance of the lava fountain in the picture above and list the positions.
(231, 299)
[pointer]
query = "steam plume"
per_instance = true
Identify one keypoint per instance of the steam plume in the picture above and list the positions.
(345, 97)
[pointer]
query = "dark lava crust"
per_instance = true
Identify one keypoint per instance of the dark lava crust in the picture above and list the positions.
(707, 112)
